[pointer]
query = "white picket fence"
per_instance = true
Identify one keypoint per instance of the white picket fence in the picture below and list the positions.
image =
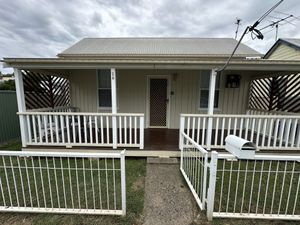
(83, 129)
(268, 132)
(267, 187)
(71, 183)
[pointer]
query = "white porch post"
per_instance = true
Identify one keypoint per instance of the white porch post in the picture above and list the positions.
(114, 105)
(210, 111)
(21, 104)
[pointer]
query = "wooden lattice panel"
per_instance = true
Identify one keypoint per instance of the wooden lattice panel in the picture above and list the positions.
(280, 93)
(45, 91)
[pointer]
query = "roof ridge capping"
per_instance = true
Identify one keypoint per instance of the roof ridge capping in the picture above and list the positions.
(157, 46)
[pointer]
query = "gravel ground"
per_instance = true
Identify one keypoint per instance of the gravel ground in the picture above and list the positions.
(167, 198)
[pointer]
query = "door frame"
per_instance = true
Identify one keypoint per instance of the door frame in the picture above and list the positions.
(167, 77)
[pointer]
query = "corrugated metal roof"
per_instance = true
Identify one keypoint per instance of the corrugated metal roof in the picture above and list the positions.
(157, 47)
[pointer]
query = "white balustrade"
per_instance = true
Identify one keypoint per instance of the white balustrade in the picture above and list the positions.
(269, 132)
(84, 129)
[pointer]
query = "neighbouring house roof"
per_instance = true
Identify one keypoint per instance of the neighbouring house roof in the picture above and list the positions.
(290, 42)
(204, 47)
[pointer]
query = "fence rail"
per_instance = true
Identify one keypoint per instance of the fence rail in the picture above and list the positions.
(84, 183)
(84, 129)
(276, 132)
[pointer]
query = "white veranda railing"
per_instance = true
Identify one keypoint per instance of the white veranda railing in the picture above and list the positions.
(42, 182)
(83, 129)
(276, 132)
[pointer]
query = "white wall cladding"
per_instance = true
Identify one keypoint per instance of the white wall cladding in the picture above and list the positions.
(84, 90)
(285, 52)
(132, 92)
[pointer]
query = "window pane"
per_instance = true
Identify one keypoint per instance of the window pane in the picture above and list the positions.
(104, 97)
(104, 79)
(216, 102)
(204, 79)
(204, 99)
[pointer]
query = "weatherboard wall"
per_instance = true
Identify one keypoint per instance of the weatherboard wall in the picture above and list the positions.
(133, 98)
(285, 52)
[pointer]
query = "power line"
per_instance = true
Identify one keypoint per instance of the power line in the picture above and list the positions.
(253, 31)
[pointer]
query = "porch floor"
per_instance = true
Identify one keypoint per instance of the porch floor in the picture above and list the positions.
(157, 139)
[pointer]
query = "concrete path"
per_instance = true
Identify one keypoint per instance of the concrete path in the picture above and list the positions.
(167, 198)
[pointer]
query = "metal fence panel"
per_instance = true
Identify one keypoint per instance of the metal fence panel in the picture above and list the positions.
(84, 183)
(9, 121)
(267, 187)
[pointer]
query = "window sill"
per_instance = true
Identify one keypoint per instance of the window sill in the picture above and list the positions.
(205, 109)
(104, 108)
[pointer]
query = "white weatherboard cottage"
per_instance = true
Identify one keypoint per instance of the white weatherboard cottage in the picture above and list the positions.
(138, 93)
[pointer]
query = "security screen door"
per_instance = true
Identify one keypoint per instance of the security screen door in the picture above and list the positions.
(158, 102)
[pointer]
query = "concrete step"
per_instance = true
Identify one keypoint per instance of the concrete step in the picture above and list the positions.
(152, 160)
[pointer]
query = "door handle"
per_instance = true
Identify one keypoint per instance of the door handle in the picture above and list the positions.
(167, 100)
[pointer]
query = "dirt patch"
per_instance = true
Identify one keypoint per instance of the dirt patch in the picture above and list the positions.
(138, 184)
(16, 219)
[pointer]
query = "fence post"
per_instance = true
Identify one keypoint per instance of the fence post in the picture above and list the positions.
(181, 152)
(181, 130)
(123, 182)
(141, 132)
(212, 185)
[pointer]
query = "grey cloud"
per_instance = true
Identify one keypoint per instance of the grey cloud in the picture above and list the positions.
(41, 28)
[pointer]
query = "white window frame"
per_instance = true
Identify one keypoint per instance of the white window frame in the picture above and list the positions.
(207, 89)
(98, 88)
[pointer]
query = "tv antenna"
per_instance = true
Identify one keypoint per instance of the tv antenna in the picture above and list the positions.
(238, 23)
(276, 24)
(253, 31)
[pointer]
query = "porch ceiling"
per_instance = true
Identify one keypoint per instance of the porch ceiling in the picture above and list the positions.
(151, 63)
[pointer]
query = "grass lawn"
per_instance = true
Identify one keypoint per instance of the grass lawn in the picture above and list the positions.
(135, 179)
(12, 145)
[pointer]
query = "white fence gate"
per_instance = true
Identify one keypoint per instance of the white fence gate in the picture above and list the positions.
(43, 182)
(193, 166)
(267, 187)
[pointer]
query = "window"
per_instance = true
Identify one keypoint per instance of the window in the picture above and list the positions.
(204, 90)
(104, 88)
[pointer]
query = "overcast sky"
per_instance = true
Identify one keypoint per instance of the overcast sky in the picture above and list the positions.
(43, 28)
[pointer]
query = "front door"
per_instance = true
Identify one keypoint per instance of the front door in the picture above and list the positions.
(158, 102)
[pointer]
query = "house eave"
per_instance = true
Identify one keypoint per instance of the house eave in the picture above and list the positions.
(142, 63)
